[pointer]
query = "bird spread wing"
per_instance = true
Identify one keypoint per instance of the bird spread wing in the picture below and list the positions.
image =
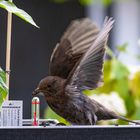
(87, 74)
(78, 37)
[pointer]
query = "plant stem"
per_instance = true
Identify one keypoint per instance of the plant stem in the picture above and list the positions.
(8, 49)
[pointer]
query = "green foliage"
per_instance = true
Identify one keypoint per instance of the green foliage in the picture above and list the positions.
(122, 48)
(3, 87)
(59, 1)
(106, 2)
(110, 53)
(11, 7)
(86, 2)
(135, 85)
(50, 114)
(117, 78)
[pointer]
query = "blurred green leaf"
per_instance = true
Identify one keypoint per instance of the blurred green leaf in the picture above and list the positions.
(1, 98)
(86, 2)
(2, 83)
(3, 93)
(51, 114)
(118, 70)
(110, 52)
(106, 88)
(2, 75)
(107, 70)
(11, 7)
(59, 1)
(122, 122)
(138, 57)
(3, 87)
(121, 86)
(122, 48)
(107, 2)
(136, 115)
(108, 82)
(134, 84)
(130, 105)
(113, 69)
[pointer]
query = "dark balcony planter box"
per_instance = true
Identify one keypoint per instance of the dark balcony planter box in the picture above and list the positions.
(71, 133)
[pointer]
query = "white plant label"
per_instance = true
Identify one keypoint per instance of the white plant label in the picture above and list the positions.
(11, 113)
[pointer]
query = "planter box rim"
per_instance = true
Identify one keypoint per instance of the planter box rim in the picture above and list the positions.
(73, 127)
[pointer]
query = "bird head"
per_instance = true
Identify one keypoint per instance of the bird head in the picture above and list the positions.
(45, 86)
(49, 86)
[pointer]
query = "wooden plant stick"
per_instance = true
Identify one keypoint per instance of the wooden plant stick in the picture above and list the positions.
(8, 49)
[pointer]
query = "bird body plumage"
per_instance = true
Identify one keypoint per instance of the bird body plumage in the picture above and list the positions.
(76, 64)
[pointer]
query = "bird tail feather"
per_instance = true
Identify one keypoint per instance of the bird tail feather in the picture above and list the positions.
(127, 120)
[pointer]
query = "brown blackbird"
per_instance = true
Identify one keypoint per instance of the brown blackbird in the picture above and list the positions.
(76, 64)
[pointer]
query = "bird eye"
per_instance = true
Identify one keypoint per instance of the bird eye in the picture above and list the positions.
(49, 86)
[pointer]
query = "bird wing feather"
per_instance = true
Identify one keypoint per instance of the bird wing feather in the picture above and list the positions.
(78, 37)
(88, 73)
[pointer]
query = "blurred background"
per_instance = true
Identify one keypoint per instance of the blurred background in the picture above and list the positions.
(32, 48)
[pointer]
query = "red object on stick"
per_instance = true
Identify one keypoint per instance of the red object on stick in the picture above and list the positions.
(35, 111)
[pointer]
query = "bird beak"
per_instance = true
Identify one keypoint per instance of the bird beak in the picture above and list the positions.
(36, 91)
